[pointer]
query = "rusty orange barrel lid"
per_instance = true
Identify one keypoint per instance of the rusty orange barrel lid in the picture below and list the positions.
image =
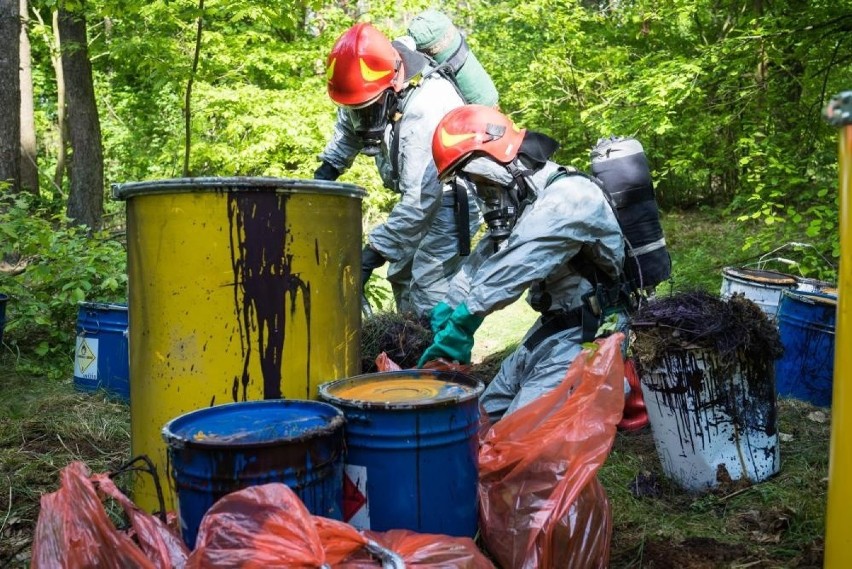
(760, 276)
(406, 389)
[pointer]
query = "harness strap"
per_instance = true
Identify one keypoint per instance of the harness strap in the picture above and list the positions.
(462, 213)
(459, 57)
(461, 208)
(557, 321)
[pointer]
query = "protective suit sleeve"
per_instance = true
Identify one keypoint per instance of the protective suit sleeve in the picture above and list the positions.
(551, 231)
(460, 284)
(344, 145)
(417, 176)
(455, 340)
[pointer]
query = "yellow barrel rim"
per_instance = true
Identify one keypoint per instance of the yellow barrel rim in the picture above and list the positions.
(235, 184)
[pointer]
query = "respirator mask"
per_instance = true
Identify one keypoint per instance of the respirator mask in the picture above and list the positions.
(500, 204)
(371, 120)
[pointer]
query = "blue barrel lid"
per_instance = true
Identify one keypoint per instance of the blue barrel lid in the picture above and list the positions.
(253, 424)
(406, 389)
(826, 296)
(235, 184)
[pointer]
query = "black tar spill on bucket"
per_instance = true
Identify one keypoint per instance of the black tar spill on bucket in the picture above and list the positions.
(675, 332)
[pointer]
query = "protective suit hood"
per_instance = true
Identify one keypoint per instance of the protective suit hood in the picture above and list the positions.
(500, 175)
(413, 62)
(537, 147)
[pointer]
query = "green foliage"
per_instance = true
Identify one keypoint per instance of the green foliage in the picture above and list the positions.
(725, 97)
(64, 266)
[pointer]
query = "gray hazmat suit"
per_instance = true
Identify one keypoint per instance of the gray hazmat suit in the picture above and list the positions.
(420, 237)
(570, 212)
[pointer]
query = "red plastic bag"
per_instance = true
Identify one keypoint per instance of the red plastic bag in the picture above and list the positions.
(422, 550)
(74, 530)
(384, 364)
(269, 526)
(541, 505)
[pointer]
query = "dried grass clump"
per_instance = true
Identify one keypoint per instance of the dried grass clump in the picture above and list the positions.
(404, 337)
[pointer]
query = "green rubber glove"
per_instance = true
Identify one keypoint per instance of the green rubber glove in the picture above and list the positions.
(455, 340)
(439, 316)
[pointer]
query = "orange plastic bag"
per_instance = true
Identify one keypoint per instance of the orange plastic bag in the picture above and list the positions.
(422, 550)
(541, 505)
(74, 531)
(269, 526)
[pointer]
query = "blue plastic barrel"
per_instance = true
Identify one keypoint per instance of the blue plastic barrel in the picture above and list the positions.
(101, 359)
(806, 321)
(3, 299)
(412, 447)
(222, 449)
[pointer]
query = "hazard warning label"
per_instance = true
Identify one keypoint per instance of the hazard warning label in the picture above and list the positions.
(356, 505)
(86, 358)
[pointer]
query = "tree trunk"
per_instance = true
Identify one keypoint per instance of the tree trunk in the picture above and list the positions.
(187, 109)
(86, 197)
(29, 152)
(61, 124)
(10, 94)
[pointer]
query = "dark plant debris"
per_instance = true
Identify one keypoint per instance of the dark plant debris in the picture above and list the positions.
(698, 319)
(404, 337)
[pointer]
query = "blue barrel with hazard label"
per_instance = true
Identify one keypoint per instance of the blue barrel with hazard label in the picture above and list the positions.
(101, 359)
(412, 450)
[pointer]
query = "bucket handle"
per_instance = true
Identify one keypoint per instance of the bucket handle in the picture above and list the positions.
(389, 559)
(148, 468)
(763, 259)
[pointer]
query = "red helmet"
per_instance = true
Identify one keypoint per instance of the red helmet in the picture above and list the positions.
(474, 128)
(361, 65)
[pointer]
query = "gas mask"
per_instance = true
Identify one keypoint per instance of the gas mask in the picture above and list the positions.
(371, 120)
(501, 205)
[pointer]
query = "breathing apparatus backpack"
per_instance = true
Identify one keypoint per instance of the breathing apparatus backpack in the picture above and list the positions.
(621, 166)
(436, 37)
(437, 41)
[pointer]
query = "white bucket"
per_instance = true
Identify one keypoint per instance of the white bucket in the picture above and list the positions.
(705, 415)
(761, 287)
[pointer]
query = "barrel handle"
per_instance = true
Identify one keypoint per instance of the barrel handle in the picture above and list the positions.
(97, 330)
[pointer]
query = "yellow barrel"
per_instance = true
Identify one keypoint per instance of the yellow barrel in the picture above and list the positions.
(239, 289)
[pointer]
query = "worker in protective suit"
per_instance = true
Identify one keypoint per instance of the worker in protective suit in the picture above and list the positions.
(389, 102)
(552, 232)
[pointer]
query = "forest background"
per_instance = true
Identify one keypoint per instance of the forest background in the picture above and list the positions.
(726, 97)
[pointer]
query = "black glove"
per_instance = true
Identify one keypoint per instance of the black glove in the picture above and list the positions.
(370, 260)
(326, 172)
